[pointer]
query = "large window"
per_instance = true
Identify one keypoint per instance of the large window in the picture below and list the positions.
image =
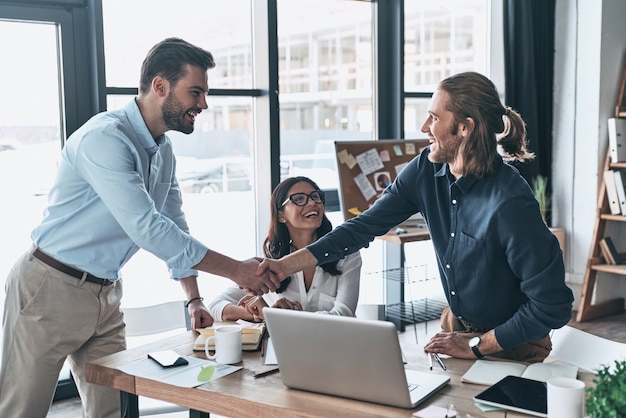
(440, 39)
(325, 73)
(30, 131)
(39, 106)
(215, 164)
(326, 80)
(326, 83)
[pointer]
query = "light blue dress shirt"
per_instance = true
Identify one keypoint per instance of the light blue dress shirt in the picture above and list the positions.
(115, 192)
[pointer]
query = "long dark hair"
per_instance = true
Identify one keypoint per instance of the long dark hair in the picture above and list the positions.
(472, 95)
(278, 241)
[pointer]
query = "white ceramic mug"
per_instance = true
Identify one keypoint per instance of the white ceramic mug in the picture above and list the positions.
(566, 398)
(227, 345)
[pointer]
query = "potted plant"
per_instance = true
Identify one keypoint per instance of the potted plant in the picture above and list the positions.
(607, 398)
(540, 189)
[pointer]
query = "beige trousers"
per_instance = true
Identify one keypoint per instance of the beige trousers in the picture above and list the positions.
(532, 352)
(48, 317)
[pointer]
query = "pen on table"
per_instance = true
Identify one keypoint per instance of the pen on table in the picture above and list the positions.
(266, 372)
(430, 360)
(443, 366)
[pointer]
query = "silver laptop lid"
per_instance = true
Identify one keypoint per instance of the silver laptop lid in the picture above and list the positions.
(343, 356)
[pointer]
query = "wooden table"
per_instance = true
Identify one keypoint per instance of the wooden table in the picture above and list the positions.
(242, 395)
(406, 234)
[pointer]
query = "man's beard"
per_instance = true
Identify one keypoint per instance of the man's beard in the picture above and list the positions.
(446, 149)
(174, 116)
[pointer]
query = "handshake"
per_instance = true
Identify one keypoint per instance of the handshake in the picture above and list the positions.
(262, 275)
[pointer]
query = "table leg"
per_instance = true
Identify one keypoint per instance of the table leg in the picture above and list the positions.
(198, 414)
(129, 405)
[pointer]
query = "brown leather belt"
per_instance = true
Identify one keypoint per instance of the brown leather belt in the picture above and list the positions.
(57, 265)
(472, 328)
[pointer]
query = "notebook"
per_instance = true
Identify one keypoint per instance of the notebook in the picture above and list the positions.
(251, 335)
(347, 357)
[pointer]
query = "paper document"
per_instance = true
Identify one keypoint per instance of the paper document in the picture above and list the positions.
(196, 373)
(270, 356)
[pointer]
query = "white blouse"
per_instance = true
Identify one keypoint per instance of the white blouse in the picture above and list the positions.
(334, 295)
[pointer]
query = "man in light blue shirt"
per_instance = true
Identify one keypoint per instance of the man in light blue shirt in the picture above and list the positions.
(115, 192)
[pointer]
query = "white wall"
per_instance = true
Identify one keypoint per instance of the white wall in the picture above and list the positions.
(590, 44)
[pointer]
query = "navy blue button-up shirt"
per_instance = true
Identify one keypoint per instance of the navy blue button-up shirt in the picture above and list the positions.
(500, 266)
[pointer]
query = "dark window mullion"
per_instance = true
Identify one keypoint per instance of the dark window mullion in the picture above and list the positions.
(130, 91)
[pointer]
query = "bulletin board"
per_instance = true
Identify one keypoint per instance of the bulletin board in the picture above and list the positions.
(366, 168)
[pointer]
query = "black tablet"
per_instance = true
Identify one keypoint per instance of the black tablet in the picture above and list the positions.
(517, 394)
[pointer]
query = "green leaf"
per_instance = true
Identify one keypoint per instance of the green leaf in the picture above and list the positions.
(206, 373)
(606, 398)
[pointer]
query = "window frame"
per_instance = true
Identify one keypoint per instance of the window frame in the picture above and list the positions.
(75, 108)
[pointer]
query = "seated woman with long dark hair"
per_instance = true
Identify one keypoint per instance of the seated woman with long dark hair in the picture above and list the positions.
(298, 219)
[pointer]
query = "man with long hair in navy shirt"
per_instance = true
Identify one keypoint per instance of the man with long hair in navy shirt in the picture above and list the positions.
(500, 266)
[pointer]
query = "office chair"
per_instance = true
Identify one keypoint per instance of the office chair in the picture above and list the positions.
(149, 323)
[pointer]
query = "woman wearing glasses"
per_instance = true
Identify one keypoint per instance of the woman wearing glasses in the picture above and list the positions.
(297, 219)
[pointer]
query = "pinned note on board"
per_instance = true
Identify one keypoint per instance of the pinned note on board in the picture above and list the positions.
(367, 168)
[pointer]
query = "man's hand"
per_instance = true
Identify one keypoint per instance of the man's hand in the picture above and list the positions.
(200, 317)
(279, 270)
(243, 273)
(272, 267)
(450, 343)
(254, 280)
(456, 344)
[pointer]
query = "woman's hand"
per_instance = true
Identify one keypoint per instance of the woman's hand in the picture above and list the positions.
(284, 303)
(254, 305)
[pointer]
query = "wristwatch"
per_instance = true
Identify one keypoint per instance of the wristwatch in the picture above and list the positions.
(473, 343)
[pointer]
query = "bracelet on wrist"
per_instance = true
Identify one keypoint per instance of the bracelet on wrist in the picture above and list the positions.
(200, 298)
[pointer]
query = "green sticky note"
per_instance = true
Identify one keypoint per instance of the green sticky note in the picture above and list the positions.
(206, 373)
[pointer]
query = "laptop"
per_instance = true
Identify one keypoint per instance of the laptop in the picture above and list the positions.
(347, 357)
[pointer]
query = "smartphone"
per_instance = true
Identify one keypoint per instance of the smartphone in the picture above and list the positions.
(167, 358)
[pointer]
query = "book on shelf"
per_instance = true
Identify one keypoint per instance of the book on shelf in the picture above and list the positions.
(621, 191)
(611, 192)
(611, 256)
(617, 139)
(489, 372)
(606, 253)
(251, 334)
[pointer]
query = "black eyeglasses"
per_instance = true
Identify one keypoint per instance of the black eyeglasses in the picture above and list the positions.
(301, 199)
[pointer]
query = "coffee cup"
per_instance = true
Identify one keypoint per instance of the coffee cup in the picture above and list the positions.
(566, 398)
(227, 340)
